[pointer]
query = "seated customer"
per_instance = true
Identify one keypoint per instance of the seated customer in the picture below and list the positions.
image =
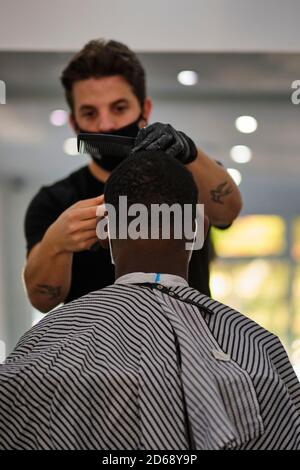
(148, 362)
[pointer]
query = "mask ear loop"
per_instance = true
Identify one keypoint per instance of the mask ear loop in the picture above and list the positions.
(110, 244)
(193, 243)
(101, 210)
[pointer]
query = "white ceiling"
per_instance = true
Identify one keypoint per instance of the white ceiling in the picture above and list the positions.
(157, 25)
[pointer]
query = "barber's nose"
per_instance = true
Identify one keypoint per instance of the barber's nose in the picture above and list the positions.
(106, 123)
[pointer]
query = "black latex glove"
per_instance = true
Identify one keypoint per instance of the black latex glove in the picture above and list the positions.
(164, 137)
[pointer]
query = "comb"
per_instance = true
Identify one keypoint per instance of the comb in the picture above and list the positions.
(104, 144)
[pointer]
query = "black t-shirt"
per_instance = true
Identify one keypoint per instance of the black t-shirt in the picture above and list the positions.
(91, 270)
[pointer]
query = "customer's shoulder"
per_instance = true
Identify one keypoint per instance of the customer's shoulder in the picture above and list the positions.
(222, 316)
(104, 302)
(107, 296)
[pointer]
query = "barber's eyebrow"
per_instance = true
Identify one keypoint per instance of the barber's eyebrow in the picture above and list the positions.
(119, 101)
(85, 107)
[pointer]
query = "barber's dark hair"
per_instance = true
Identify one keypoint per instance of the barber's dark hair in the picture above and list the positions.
(151, 177)
(100, 58)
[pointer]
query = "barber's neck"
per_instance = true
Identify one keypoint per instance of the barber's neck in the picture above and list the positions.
(99, 173)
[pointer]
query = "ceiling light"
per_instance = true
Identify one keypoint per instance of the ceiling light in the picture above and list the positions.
(187, 77)
(246, 124)
(58, 117)
(241, 154)
(70, 146)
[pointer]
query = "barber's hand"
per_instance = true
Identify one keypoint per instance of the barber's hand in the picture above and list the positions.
(164, 137)
(75, 229)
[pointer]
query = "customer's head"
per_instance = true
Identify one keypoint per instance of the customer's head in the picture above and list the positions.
(105, 87)
(151, 179)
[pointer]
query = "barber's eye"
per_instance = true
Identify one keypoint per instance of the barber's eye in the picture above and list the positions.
(119, 109)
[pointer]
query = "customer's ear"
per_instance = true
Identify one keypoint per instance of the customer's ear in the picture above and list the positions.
(102, 228)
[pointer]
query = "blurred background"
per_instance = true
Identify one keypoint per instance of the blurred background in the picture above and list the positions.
(235, 102)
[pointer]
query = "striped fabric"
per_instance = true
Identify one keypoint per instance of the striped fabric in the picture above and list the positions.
(148, 367)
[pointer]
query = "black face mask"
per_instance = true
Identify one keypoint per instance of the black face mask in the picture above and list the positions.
(107, 162)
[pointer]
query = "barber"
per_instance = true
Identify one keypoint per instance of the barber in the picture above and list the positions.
(105, 88)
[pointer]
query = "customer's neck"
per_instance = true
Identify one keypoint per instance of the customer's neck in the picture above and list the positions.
(156, 263)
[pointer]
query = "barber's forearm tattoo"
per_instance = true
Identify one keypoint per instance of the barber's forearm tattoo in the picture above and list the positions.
(221, 191)
(53, 292)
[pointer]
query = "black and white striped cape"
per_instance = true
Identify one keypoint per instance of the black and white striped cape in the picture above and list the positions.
(148, 367)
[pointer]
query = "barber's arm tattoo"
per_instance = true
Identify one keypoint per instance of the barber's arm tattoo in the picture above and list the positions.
(53, 292)
(221, 191)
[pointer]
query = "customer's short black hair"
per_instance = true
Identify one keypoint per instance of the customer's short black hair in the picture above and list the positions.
(151, 177)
